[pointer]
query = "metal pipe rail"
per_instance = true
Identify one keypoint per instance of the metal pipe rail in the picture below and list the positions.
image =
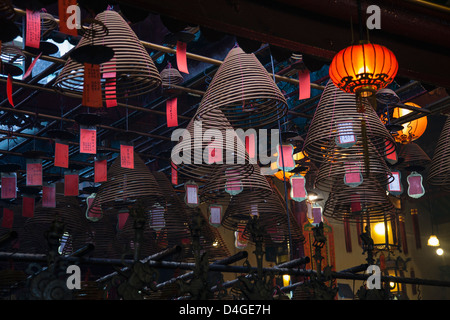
(238, 256)
(224, 268)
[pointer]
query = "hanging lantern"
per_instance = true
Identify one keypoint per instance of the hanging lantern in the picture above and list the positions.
(433, 241)
(384, 233)
(363, 69)
(411, 130)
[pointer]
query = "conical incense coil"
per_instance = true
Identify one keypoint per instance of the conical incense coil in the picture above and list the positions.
(439, 172)
(210, 240)
(351, 161)
(198, 155)
(125, 187)
(103, 235)
(337, 120)
(245, 92)
(171, 76)
(368, 200)
(175, 220)
(135, 72)
(221, 186)
(414, 156)
(272, 217)
(68, 211)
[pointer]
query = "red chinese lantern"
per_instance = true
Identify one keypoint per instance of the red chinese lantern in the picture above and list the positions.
(363, 68)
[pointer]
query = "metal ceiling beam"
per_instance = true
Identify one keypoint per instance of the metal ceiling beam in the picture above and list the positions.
(418, 36)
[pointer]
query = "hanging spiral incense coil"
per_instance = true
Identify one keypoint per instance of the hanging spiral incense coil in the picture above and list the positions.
(175, 221)
(171, 76)
(103, 235)
(48, 24)
(191, 153)
(177, 225)
(439, 170)
(387, 96)
(211, 240)
(67, 211)
(414, 156)
(7, 10)
(96, 29)
(336, 117)
(12, 54)
(219, 188)
(368, 200)
(272, 217)
(331, 174)
(126, 237)
(245, 92)
(126, 187)
(135, 72)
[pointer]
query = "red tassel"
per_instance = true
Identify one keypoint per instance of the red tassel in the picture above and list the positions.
(348, 237)
(401, 222)
(415, 221)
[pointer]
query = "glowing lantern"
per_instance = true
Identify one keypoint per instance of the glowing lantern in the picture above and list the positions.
(411, 130)
(363, 69)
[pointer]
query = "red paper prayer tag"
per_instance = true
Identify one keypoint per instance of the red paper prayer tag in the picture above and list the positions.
(174, 174)
(215, 216)
(395, 185)
(304, 84)
(9, 186)
(34, 173)
(28, 207)
(415, 185)
(181, 57)
(317, 214)
(8, 218)
(67, 20)
(355, 203)
(250, 146)
(171, 112)
(88, 140)
(122, 219)
(110, 93)
(215, 154)
(286, 157)
(100, 171)
(392, 157)
(298, 187)
(33, 30)
(71, 187)
(109, 73)
(9, 90)
(92, 90)
(61, 155)
(352, 173)
(191, 197)
(126, 156)
(49, 196)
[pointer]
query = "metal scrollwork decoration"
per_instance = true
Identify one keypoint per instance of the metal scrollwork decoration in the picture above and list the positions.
(198, 287)
(257, 285)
